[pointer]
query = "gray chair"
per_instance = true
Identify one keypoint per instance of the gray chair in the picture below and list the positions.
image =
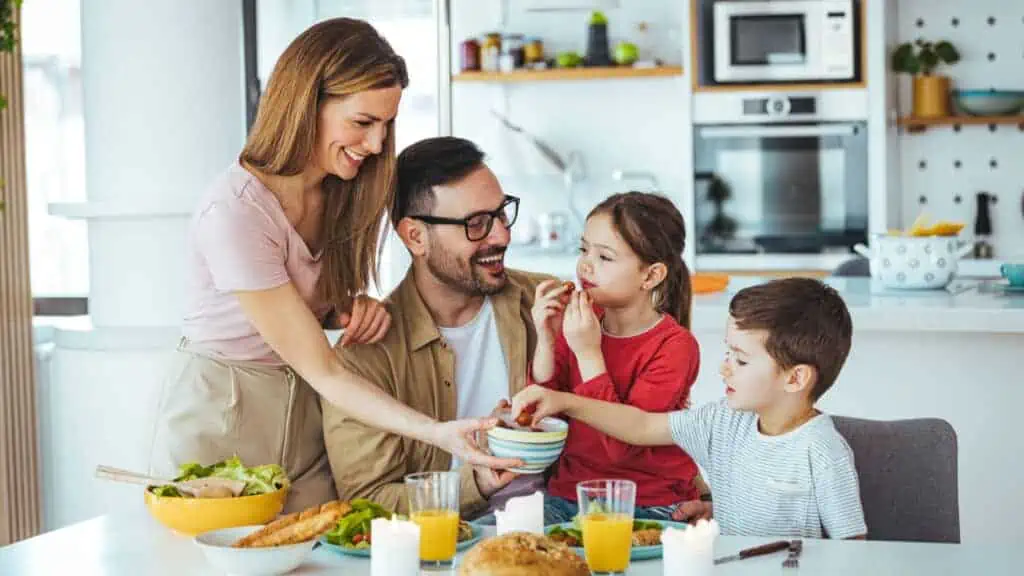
(857, 266)
(908, 477)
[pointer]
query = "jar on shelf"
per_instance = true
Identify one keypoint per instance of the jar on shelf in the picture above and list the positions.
(490, 52)
(470, 55)
(533, 52)
(512, 52)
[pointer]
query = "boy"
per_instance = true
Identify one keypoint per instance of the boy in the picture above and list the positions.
(777, 466)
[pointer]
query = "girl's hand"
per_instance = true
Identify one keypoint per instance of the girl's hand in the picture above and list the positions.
(537, 402)
(548, 306)
(367, 323)
(581, 327)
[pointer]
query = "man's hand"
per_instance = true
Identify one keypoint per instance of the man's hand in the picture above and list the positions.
(490, 481)
(692, 510)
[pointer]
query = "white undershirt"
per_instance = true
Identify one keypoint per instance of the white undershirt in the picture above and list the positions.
(481, 376)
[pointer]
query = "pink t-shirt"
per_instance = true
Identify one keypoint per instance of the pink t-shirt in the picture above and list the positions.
(240, 240)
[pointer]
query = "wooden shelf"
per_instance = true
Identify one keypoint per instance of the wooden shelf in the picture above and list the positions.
(563, 74)
(912, 124)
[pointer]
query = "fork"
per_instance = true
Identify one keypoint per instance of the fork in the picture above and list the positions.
(793, 560)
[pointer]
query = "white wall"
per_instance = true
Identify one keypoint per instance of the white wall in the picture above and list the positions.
(628, 124)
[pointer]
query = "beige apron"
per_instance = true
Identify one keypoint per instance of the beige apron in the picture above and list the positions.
(214, 409)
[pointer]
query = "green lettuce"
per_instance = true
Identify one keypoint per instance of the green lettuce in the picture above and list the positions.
(356, 522)
(258, 479)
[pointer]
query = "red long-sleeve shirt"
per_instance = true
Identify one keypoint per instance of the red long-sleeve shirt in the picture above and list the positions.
(653, 371)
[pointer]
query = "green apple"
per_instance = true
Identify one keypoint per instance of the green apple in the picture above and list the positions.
(625, 53)
(569, 60)
(598, 17)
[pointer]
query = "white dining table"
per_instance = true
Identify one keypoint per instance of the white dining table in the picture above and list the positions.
(135, 544)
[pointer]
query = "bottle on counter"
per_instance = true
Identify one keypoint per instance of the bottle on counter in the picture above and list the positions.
(983, 227)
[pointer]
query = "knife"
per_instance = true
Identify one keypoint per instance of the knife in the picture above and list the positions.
(755, 551)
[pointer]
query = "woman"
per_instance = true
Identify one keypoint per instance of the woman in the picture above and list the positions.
(281, 243)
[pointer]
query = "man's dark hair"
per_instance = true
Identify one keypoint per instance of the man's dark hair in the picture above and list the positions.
(807, 323)
(428, 163)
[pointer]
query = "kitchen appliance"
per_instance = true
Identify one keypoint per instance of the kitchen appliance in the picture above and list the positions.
(913, 262)
(784, 40)
(780, 174)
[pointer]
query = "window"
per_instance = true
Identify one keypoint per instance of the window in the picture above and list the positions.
(55, 153)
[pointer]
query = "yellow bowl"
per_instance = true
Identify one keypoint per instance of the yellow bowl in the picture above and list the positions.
(194, 516)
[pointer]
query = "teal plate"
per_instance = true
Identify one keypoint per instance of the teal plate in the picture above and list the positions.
(365, 552)
(638, 552)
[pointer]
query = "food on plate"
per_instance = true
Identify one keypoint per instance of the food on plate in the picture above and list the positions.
(522, 554)
(298, 527)
(258, 479)
(645, 533)
(352, 529)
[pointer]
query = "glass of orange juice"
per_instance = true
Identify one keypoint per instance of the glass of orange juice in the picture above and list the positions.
(434, 505)
(606, 519)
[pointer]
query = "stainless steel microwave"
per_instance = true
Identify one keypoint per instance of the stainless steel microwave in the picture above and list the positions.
(784, 40)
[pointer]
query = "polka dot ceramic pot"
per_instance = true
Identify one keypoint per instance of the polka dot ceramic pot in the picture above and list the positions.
(913, 262)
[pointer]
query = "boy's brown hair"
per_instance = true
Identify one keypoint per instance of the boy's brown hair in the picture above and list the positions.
(807, 323)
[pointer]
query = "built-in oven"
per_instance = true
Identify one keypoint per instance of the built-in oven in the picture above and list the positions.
(784, 40)
(780, 174)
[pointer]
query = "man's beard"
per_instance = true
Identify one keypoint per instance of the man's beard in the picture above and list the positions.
(465, 276)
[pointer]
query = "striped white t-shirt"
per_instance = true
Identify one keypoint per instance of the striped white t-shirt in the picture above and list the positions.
(799, 484)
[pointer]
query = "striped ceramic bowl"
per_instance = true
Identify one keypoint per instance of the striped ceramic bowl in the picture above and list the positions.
(537, 449)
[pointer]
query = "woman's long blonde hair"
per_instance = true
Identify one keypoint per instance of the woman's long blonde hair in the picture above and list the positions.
(334, 58)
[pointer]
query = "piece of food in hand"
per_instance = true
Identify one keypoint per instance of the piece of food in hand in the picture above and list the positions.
(566, 295)
(525, 418)
(298, 527)
(258, 479)
(522, 554)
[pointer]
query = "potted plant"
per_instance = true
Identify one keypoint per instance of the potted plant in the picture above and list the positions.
(8, 9)
(930, 90)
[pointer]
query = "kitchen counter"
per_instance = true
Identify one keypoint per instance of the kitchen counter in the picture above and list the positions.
(978, 307)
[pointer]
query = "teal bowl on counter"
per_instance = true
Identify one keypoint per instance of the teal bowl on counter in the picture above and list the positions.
(1014, 273)
(989, 102)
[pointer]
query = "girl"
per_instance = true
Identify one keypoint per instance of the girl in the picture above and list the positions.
(624, 338)
(283, 242)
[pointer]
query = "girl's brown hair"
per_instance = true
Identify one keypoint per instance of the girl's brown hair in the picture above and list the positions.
(655, 231)
(333, 58)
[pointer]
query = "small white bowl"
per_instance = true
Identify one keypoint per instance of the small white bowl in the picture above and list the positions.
(216, 545)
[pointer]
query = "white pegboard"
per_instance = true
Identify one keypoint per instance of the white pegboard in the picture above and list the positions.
(945, 164)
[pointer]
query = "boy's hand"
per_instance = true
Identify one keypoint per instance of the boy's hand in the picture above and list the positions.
(542, 401)
(548, 306)
(692, 510)
(581, 326)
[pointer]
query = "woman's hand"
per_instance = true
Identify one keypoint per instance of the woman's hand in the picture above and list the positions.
(367, 323)
(581, 327)
(457, 438)
(548, 306)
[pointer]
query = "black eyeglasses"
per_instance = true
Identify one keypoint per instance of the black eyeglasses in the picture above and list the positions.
(478, 224)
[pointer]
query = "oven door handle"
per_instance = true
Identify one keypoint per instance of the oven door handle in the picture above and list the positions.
(777, 131)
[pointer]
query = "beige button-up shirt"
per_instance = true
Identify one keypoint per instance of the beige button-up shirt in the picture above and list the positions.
(414, 365)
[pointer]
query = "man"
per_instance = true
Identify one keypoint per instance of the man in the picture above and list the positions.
(461, 338)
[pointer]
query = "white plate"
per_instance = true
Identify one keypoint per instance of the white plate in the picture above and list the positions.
(216, 545)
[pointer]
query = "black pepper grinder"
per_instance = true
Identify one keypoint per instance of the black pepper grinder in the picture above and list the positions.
(983, 227)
